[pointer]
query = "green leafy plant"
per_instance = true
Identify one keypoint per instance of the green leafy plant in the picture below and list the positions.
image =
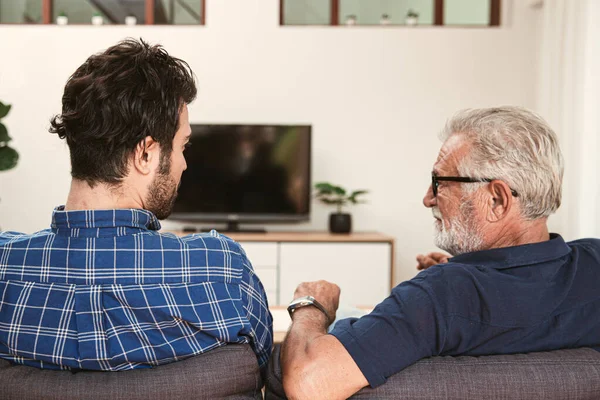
(8, 155)
(412, 14)
(336, 195)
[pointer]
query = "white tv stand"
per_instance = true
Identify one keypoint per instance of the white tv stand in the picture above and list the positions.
(361, 263)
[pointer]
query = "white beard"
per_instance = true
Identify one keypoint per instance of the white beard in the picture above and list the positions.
(463, 235)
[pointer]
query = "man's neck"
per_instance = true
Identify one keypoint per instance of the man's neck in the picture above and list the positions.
(523, 233)
(100, 197)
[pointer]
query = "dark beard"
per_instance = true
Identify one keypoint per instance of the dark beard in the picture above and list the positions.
(162, 191)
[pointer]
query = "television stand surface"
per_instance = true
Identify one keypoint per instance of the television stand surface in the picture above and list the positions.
(234, 227)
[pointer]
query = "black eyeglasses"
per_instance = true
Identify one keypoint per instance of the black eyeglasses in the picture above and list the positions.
(435, 182)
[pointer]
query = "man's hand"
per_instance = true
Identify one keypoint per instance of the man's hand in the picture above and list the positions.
(326, 293)
(427, 260)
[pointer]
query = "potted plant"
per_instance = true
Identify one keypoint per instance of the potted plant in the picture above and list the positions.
(385, 20)
(412, 17)
(62, 18)
(8, 155)
(327, 193)
(97, 19)
(130, 20)
(351, 20)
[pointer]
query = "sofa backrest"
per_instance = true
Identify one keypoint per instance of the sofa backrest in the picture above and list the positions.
(560, 374)
(229, 372)
(553, 375)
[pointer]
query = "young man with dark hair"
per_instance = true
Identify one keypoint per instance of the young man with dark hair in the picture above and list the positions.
(102, 289)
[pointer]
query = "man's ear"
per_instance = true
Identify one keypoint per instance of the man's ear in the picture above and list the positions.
(146, 156)
(499, 201)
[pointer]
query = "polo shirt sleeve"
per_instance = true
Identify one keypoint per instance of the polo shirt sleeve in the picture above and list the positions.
(404, 328)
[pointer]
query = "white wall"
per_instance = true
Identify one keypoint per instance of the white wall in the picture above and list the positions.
(569, 97)
(376, 99)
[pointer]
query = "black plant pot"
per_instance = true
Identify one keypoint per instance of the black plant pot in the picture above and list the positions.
(340, 223)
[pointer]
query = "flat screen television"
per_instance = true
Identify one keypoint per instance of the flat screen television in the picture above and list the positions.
(246, 173)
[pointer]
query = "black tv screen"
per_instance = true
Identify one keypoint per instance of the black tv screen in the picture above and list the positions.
(246, 173)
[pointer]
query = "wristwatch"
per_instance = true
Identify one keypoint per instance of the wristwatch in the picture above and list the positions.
(307, 301)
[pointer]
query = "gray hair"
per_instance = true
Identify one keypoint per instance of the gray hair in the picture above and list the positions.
(514, 145)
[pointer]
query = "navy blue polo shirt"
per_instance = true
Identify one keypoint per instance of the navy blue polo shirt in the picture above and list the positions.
(535, 297)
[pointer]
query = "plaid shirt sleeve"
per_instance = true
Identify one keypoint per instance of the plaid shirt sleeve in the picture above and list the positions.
(256, 306)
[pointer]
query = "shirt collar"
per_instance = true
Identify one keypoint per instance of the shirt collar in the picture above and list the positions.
(82, 219)
(507, 257)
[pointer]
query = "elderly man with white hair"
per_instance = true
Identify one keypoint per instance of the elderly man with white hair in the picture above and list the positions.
(509, 287)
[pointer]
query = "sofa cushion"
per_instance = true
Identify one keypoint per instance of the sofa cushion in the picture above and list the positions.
(560, 374)
(227, 372)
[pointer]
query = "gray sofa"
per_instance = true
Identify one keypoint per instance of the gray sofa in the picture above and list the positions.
(229, 372)
(561, 374)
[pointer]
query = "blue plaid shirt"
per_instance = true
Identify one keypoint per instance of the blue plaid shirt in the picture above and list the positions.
(103, 290)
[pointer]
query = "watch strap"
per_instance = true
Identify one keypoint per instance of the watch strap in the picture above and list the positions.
(305, 302)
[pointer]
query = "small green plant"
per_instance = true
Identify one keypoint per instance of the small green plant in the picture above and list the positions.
(336, 195)
(8, 155)
(412, 14)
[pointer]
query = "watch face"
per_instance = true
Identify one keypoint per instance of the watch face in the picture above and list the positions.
(302, 301)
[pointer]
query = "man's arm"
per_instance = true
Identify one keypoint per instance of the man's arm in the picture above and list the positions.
(316, 365)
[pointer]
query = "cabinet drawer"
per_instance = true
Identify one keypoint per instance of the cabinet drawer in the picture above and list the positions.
(362, 270)
(261, 255)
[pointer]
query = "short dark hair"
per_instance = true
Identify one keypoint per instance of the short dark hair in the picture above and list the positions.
(117, 98)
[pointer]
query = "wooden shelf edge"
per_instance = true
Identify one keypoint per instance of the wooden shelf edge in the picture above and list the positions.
(325, 237)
